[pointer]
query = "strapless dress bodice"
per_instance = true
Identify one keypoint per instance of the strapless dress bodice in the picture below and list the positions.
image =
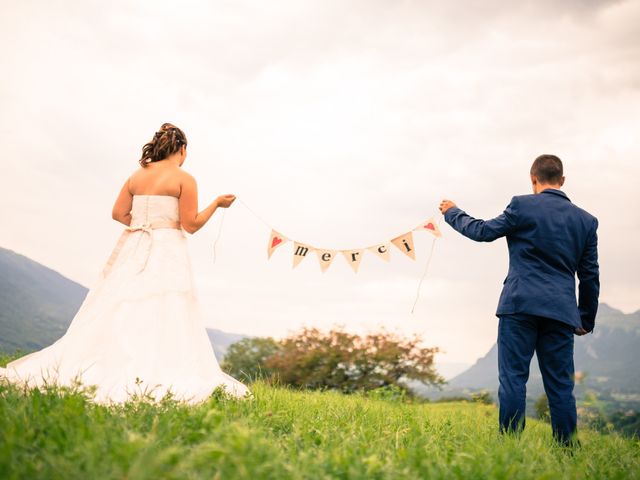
(148, 209)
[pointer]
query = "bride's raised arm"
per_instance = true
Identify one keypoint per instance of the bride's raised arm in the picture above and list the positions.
(190, 218)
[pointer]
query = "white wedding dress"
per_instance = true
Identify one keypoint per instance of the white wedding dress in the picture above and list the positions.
(140, 328)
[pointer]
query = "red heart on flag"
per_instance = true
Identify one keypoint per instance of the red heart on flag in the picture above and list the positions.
(276, 241)
(430, 226)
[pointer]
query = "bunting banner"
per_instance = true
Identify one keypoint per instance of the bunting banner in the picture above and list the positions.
(353, 257)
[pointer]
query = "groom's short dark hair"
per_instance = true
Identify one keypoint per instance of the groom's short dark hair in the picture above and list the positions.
(547, 169)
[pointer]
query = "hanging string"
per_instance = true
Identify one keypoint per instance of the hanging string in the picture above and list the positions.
(254, 213)
(224, 211)
(215, 243)
(424, 274)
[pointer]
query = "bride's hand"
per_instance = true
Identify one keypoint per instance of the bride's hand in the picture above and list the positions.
(225, 201)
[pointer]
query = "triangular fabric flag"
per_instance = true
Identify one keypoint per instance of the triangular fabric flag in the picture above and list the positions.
(325, 257)
(300, 251)
(275, 240)
(430, 226)
(354, 257)
(382, 251)
(405, 244)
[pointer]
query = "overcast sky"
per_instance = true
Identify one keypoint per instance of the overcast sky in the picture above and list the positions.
(343, 124)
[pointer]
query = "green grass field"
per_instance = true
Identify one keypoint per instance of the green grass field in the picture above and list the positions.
(281, 434)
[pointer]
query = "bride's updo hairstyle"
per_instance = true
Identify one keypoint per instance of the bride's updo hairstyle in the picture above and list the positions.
(165, 142)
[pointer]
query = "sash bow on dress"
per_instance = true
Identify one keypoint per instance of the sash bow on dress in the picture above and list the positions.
(146, 228)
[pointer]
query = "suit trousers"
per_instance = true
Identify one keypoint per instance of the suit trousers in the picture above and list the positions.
(519, 336)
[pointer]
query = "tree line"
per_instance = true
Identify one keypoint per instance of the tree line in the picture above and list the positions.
(335, 360)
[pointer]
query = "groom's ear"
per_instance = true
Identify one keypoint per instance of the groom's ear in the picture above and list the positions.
(534, 182)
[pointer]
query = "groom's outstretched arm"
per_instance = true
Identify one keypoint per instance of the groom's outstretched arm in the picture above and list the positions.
(477, 229)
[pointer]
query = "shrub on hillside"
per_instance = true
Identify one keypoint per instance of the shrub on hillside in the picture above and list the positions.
(390, 393)
(627, 422)
(336, 360)
(483, 397)
(246, 359)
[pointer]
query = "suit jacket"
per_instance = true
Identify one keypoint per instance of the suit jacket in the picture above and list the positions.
(550, 240)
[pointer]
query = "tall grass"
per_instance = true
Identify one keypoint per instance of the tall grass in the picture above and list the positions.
(58, 434)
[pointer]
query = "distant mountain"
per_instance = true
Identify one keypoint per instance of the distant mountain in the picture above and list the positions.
(221, 341)
(37, 305)
(609, 358)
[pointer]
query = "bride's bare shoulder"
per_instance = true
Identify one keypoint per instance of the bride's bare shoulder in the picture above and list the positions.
(186, 176)
(159, 170)
(139, 172)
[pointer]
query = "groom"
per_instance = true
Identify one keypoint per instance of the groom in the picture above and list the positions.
(550, 240)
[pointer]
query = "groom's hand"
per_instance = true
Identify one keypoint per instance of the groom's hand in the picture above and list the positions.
(446, 205)
(581, 331)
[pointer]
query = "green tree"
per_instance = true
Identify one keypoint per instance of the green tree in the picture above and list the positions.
(246, 359)
(627, 422)
(344, 361)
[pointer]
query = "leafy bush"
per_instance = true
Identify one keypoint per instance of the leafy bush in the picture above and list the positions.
(626, 422)
(247, 358)
(391, 393)
(335, 360)
(483, 397)
(348, 362)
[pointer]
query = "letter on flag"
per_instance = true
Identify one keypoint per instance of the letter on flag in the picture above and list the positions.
(276, 240)
(430, 226)
(325, 257)
(405, 244)
(354, 257)
(299, 252)
(382, 251)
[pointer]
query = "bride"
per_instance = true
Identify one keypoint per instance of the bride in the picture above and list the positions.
(139, 330)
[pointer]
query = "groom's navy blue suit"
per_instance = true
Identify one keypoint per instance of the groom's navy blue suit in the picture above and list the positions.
(550, 241)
